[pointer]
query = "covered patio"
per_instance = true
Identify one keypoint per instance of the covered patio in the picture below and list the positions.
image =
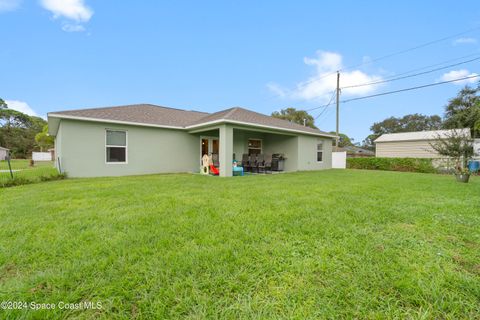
(228, 143)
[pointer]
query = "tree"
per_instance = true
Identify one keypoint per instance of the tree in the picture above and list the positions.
(296, 116)
(457, 146)
(18, 130)
(463, 111)
(44, 140)
(3, 104)
(407, 123)
(344, 140)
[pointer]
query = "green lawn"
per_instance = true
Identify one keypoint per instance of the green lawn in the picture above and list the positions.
(22, 170)
(330, 244)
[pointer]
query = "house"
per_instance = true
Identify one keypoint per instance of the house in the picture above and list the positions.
(411, 144)
(357, 152)
(3, 153)
(145, 138)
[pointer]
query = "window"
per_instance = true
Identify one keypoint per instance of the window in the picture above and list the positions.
(116, 146)
(254, 146)
(319, 151)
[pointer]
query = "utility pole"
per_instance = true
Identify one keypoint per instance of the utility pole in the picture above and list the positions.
(338, 106)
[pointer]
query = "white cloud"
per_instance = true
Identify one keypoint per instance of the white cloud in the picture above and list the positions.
(9, 5)
(71, 11)
(21, 106)
(465, 41)
(73, 27)
(320, 86)
(456, 74)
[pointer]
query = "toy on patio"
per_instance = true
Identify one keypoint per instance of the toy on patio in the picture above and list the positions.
(213, 170)
(205, 164)
(237, 171)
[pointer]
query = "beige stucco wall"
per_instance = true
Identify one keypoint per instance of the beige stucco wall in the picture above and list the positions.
(405, 149)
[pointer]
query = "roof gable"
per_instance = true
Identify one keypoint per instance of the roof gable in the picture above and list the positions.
(238, 114)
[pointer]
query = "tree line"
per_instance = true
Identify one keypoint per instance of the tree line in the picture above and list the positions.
(21, 133)
(462, 111)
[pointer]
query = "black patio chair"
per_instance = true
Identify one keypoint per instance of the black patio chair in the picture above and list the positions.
(253, 163)
(215, 160)
(261, 162)
(267, 163)
(245, 162)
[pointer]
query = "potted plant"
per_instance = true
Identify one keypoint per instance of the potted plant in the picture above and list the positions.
(457, 145)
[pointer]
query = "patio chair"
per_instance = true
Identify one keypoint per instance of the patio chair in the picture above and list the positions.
(260, 162)
(245, 162)
(216, 163)
(253, 163)
(267, 163)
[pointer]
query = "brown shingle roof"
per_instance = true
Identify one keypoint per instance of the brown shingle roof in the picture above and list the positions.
(148, 114)
(139, 113)
(243, 115)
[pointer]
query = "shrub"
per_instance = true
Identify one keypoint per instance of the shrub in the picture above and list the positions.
(59, 176)
(392, 164)
(15, 182)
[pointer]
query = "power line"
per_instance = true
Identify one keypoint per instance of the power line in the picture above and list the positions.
(326, 106)
(410, 76)
(432, 65)
(426, 44)
(409, 89)
(393, 54)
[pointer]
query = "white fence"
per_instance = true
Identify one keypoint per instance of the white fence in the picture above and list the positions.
(476, 147)
(41, 156)
(339, 160)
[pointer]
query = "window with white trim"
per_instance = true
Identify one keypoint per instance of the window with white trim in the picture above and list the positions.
(319, 151)
(254, 146)
(116, 146)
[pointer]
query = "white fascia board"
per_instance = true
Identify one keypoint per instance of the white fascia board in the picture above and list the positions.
(62, 116)
(249, 124)
(205, 124)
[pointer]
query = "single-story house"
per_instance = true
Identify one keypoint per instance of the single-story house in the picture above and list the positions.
(411, 144)
(357, 152)
(145, 139)
(3, 153)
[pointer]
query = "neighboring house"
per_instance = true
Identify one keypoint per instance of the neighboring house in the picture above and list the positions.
(144, 138)
(411, 144)
(357, 152)
(3, 153)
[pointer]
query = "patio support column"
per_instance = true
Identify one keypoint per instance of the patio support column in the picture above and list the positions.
(226, 150)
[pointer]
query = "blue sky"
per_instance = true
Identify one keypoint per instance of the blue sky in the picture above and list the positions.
(211, 55)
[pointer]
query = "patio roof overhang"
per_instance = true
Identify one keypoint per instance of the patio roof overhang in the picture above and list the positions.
(254, 127)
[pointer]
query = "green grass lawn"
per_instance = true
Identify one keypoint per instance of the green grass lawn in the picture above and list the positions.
(22, 170)
(330, 244)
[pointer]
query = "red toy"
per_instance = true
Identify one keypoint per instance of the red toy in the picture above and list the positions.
(213, 170)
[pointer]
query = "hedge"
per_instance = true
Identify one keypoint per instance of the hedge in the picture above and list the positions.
(392, 164)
